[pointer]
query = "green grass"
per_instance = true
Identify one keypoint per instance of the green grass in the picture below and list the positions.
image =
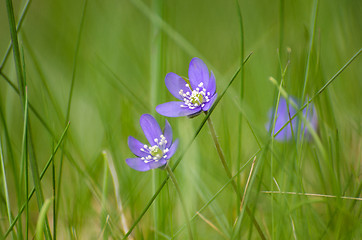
(76, 76)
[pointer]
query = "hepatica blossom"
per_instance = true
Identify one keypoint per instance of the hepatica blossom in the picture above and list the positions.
(195, 96)
(159, 150)
(286, 112)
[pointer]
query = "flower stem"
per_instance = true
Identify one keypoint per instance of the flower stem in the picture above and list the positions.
(228, 173)
(173, 178)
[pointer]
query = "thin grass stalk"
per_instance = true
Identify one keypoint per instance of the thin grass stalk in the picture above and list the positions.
(173, 178)
(24, 154)
(115, 180)
(54, 201)
(25, 169)
(104, 215)
(240, 121)
(311, 45)
(36, 179)
(314, 195)
(271, 156)
(70, 97)
(183, 153)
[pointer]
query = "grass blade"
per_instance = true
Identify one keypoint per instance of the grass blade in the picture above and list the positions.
(42, 219)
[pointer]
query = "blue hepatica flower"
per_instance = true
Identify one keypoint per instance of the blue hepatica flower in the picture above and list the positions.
(196, 96)
(159, 150)
(285, 113)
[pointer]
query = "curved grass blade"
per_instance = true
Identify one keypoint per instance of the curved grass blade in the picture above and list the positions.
(42, 219)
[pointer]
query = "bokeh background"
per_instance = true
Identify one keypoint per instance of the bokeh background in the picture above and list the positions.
(101, 65)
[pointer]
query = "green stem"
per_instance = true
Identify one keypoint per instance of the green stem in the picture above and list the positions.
(173, 178)
(240, 127)
(228, 173)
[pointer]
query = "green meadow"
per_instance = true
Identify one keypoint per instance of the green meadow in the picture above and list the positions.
(76, 76)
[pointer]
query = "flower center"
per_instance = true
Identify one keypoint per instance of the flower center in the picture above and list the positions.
(195, 98)
(157, 151)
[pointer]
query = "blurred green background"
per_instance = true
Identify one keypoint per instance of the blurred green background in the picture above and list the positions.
(126, 48)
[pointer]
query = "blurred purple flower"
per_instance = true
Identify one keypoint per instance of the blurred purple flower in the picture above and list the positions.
(195, 97)
(285, 113)
(160, 147)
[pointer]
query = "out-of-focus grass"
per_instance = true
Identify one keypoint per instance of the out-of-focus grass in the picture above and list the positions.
(125, 50)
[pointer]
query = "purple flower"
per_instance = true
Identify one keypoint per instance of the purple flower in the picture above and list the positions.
(284, 114)
(160, 147)
(196, 96)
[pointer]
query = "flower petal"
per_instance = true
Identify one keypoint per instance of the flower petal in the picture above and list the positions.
(174, 84)
(209, 104)
(172, 149)
(136, 146)
(211, 87)
(283, 117)
(174, 109)
(138, 164)
(158, 164)
(150, 128)
(198, 72)
(168, 134)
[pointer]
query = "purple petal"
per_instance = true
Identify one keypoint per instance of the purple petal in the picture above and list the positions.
(150, 128)
(172, 149)
(198, 72)
(158, 164)
(174, 84)
(211, 87)
(168, 133)
(138, 164)
(209, 104)
(283, 115)
(174, 109)
(136, 146)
